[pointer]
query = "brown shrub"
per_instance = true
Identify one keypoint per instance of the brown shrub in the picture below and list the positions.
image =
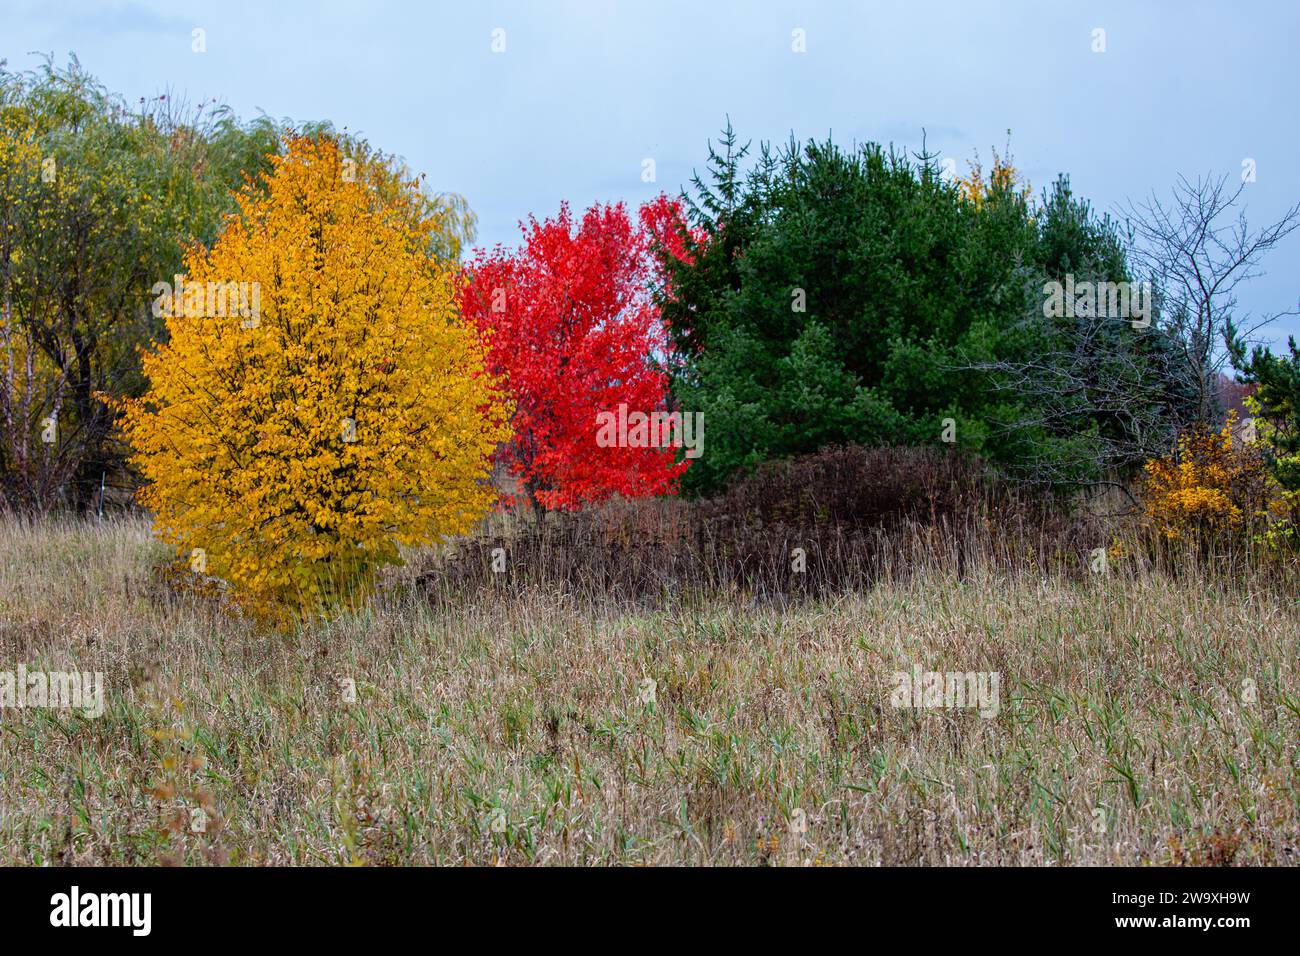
(835, 520)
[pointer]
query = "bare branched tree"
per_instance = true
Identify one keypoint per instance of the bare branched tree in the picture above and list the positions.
(1093, 400)
(1197, 248)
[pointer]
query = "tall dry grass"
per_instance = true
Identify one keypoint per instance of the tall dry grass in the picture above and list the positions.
(511, 722)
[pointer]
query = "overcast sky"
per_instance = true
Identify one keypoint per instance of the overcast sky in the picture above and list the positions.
(586, 90)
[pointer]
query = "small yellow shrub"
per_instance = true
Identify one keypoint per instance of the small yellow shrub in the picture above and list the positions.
(1213, 482)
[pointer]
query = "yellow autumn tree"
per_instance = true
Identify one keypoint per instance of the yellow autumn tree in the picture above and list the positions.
(318, 403)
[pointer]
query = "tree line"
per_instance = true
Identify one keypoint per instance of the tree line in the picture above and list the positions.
(793, 297)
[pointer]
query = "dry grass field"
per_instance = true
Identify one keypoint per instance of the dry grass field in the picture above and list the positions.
(1141, 719)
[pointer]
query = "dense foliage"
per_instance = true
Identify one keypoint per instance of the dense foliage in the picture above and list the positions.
(292, 445)
(1212, 485)
(832, 296)
(97, 203)
(572, 332)
(99, 200)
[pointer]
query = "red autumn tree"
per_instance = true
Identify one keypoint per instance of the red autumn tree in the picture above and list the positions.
(572, 330)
